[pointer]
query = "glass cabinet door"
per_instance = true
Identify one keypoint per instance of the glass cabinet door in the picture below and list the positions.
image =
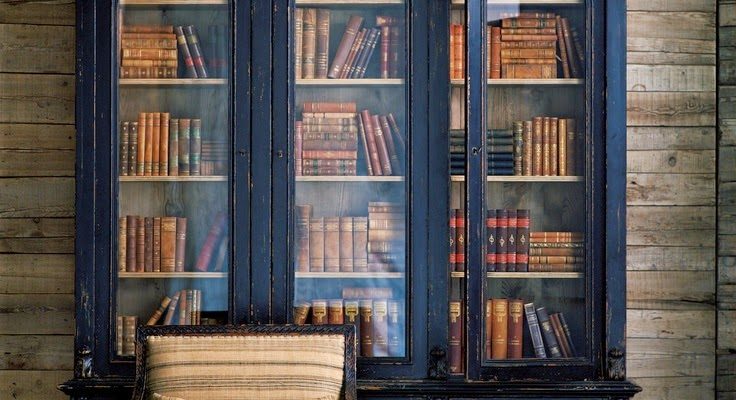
(174, 136)
(351, 144)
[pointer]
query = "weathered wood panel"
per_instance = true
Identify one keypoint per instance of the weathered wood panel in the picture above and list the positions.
(37, 12)
(37, 49)
(671, 108)
(672, 357)
(32, 385)
(665, 24)
(663, 258)
(36, 197)
(676, 388)
(668, 138)
(671, 5)
(667, 189)
(644, 218)
(47, 352)
(37, 98)
(50, 314)
(36, 162)
(671, 161)
(686, 286)
(37, 137)
(36, 274)
(671, 78)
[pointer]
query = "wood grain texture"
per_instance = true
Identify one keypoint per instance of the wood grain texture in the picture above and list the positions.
(669, 358)
(37, 98)
(670, 78)
(671, 108)
(671, 161)
(707, 6)
(666, 258)
(37, 137)
(36, 274)
(32, 385)
(37, 12)
(676, 388)
(37, 49)
(36, 197)
(671, 189)
(670, 138)
(31, 352)
(50, 314)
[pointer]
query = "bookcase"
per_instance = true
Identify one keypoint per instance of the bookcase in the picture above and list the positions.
(448, 176)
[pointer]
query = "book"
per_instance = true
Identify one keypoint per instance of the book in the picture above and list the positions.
(451, 51)
(564, 57)
(380, 328)
(537, 143)
(365, 57)
(534, 331)
(454, 346)
(309, 43)
(522, 240)
(131, 222)
(195, 147)
(127, 30)
(488, 336)
(346, 244)
(146, 54)
(556, 237)
(460, 240)
(322, 43)
(499, 340)
(156, 244)
(496, 53)
(167, 244)
(148, 158)
(528, 22)
(553, 149)
(511, 241)
(550, 340)
(546, 140)
(319, 312)
(569, 46)
(163, 148)
(360, 245)
(349, 64)
(316, 245)
(459, 44)
(173, 147)
(119, 336)
(546, 267)
(515, 328)
(335, 312)
(181, 240)
(579, 50)
(568, 337)
(555, 251)
(196, 51)
(184, 302)
(396, 166)
(365, 122)
(298, 43)
(528, 71)
(301, 312)
(385, 44)
(155, 143)
(453, 239)
(189, 69)
(559, 335)
(562, 147)
(122, 243)
(171, 309)
(502, 237)
(345, 45)
(140, 244)
(159, 312)
(527, 149)
(129, 326)
(148, 244)
(366, 327)
(571, 153)
(332, 244)
(298, 147)
(301, 237)
(133, 148)
(124, 146)
(367, 293)
(491, 242)
(395, 336)
(518, 143)
(184, 145)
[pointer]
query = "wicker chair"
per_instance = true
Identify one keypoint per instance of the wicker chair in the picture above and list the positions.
(245, 362)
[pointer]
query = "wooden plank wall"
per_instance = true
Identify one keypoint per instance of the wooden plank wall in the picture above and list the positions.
(671, 221)
(36, 197)
(726, 351)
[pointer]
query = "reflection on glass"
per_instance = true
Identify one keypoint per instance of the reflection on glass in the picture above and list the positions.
(350, 157)
(173, 136)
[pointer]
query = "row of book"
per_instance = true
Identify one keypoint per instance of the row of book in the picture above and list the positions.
(157, 145)
(531, 45)
(378, 322)
(351, 244)
(355, 50)
(150, 51)
(500, 145)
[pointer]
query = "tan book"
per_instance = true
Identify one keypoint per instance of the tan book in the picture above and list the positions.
(122, 243)
(301, 312)
(129, 326)
(515, 328)
(346, 244)
(159, 312)
(332, 244)
(527, 148)
(168, 244)
(317, 245)
(309, 42)
(141, 150)
(499, 343)
(163, 155)
(170, 312)
(119, 335)
(572, 167)
(562, 147)
(156, 244)
(360, 244)
(537, 136)
(140, 244)
(181, 241)
(335, 312)
(553, 149)
(546, 132)
(148, 161)
(319, 312)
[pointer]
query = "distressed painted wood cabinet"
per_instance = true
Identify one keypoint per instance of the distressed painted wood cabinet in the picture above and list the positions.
(449, 176)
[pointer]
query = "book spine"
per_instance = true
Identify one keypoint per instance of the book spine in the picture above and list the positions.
(385, 44)
(537, 138)
(181, 241)
(459, 32)
(556, 237)
(140, 30)
(195, 150)
(148, 244)
(352, 316)
(205, 253)
(488, 337)
(390, 145)
(170, 312)
(534, 331)
(298, 42)
(453, 239)
(298, 147)
(140, 244)
(367, 293)
(499, 341)
(147, 72)
(566, 329)
(196, 51)
(119, 336)
(327, 144)
(168, 244)
(511, 243)
(571, 154)
(522, 240)
(381, 145)
(579, 51)
(460, 240)
(515, 328)
(527, 148)
(319, 312)
(549, 337)
(572, 60)
(173, 147)
(124, 147)
(322, 43)
(528, 53)
(454, 347)
(332, 244)
(189, 311)
(148, 160)
(451, 48)
(528, 31)
(130, 246)
(150, 64)
(366, 327)
(346, 244)
(562, 147)
(365, 58)
(559, 334)
(129, 325)
(159, 312)
(190, 70)
(334, 312)
(556, 260)
(518, 143)
(527, 37)
(529, 71)
(563, 49)
(528, 22)
(122, 243)
(367, 122)
(555, 267)
(309, 46)
(303, 214)
(301, 312)
(530, 44)
(148, 54)
(163, 156)
(553, 148)
(141, 153)
(395, 57)
(491, 242)
(337, 108)
(183, 307)
(360, 244)
(156, 144)
(380, 328)
(345, 46)
(546, 140)
(156, 244)
(568, 252)
(316, 245)
(132, 148)
(184, 145)
(502, 237)
(395, 348)
(348, 66)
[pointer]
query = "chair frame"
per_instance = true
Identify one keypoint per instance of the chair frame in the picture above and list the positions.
(349, 390)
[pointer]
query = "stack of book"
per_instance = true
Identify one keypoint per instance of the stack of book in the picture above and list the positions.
(549, 147)
(213, 254)
(158, 146)
(125, 335)
(148, 51)
(191, 52)
(151, 244)
(326, 139)
(500, 146)
(507, 245)
(556, 252)
(382, 144)
(386, 237)
(457, 51)
(214, 158)
(457, 239)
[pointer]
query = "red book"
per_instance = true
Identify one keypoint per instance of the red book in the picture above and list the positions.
(515, 328)
(454, 347)
(329, 107)
(349, 62)
(460, 240)
(345, 46)
(205, 254)
(502, 226)
(495, 50)
(298, 142)
(364, 143)
(453, 238)
(366, 328)
(367, 122)
(394, 52)
(491, 244)
(499, 340)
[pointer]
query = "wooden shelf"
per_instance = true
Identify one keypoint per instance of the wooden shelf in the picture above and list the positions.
(208, 178)
(350, 275)
(525, 275)
(526, 82)
(349, 3)
(173, 82)
(349, 82)
(349, 178)
(525, 2)
(173, 2)
(172, 275)
(514, 178)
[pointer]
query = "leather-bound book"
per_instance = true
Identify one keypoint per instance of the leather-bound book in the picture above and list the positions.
(396, 134)
(530, 44)
(546, 140)
(516, 328)
(579, 50)
(511, 241)
(298, 42)
(555, 251)
(190, 307)
(330, 107)
(502, 240)
(319, 312)
(518, 143)
(317, 244)
(124, 147)
(148, 161)
(148, 244)
(198, 307)
(335, 312)
(183, 307)
(303, 214)
(168, 244)
(550, 341)
(322, 49)
(367, 293)
(156, 244)
(350, 69)
(163, 155)
(352, 316)
(527, 148)
(129, 325)
(156, 144)
(367, 122)
(332, 244)
(173, 147)
(140, 244)
(460, 240)
(380, 328)
(381, 146)
(553, 149)
(571, 156)
(394, 329)
(396, 166)
(131, 222)
(301, 312)
(366, 327)
(364, 58)
(534, 331)
(495, 50)
(562, 147)
(119, 335)
(395, 48)
(360, 244)
(196, 51)
(171, 310)
(122, 243)
(147, 29)
(215, 232)
(141, 153)
(346, 244)
(556, 267)
(349, 64)
(344, 48)
(453, 239)
(488, 342)
(522, 240)
(459, 32)
(566, 329)
(563, 49)
(556, 260)
(309, 43)
(556, 237)
(384, 53)
(533, 22)
(298, 147)
(159, 312)
(184, 138)
(195, 149)
(559, 334)
(221, 259)
(451, 48)
(148, 54)
(569, 45)
(529, 71)
(132, 148)
(181, 242)
(491, 241)
(181, 40)
(455, 340)
(499, 339)
(537, 143)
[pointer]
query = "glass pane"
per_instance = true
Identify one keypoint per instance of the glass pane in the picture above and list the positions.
(174, 141)
(350, 157)
(535, 225)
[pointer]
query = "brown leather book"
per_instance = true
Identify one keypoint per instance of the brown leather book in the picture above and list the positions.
(394, 329)
(562, 147)
(518, 143)
(556, 237)
(528, 22)
(502, 240)
(496, 53)
(349, 65)
(556, 260)
(335, 312)
(522, 240)
(451, 49)
(183, 307)
(366, 327)
(148, 161)
(393, 155)
(184, 145)
(553, 149)
(384, 51)
(208, 247)
(298, 42)
(317, 244)
(499, 341)
(530, 44)
(146, 29)
(329, 107)
(122, 243)
(170, 312)
(163, 155)
(147, 72)
(529, 71)
(563, 49)
(345, 46)
(346, 244)
(190, 310)
(352, 316)
(459, 32)
(141, 153)
(298, 147)
(329, 144)
(488, 330)
(148, 41)
(527, 149)
(130, 253)
(319, 312)
(168, 244)
(571, 156)
(148, 244)
(159, 312)
(455, 340)
(140, 244)
(515, 328)
(156, 144)
(133, 148)
(129, 326)
(322, 51)
(381, 145)
(528, 31)
(195, 147)
(124, 147)
(149, 54)
(174, 147)
(511, 241)
(156, 244)
(460, 240)
(366, 122)
(546, 136)
(579, 50)
(360, 244)
(301, 237)
(332, 244)
(558, 251)
(367, 293)
(368, 40)
(181, 242)
(380, 328)
(537, 136)
(568, 337)
(301, 312)
(527, 53)
(556, 267)
(330, 154)
(528, 37)
(569, 45)
(560, 335)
